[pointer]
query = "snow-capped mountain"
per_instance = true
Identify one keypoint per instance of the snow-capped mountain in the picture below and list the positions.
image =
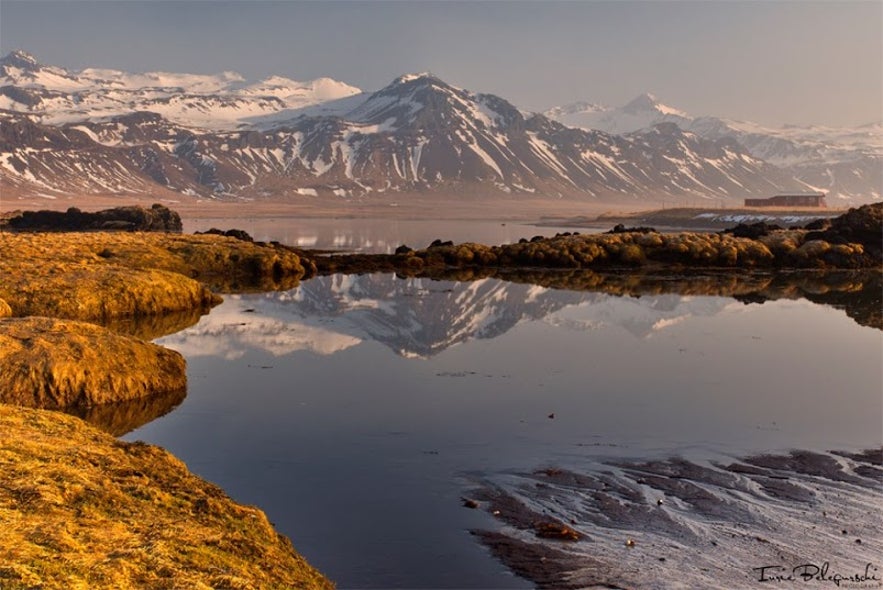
(219, 102)
(108, 132)
(642, 112)
(846, 163)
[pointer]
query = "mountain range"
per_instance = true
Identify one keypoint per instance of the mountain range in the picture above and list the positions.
(160, 134)
(846, 163)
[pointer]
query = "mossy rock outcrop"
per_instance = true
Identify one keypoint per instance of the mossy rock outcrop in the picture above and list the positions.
(56, 364)
(100, 276)
(82, 510)
(852, 242)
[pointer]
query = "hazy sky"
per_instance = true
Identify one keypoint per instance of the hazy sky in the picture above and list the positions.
(772, 62)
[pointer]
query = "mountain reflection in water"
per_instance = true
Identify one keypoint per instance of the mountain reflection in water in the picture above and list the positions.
(420, 317)
(373, 403)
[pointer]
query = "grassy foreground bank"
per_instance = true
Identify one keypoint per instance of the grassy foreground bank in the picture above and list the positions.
(82, 510)
(78, 508)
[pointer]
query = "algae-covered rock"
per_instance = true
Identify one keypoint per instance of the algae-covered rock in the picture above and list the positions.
(81, 509)
(53, 364)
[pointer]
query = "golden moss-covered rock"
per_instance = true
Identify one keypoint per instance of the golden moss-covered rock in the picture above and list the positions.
(99, 292)
(5, 310)
(50, 363)
(99, 276)
(81, 510)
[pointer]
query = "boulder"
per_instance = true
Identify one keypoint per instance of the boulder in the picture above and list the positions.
(55, 364)
(230, 233)
(752, 230)
(863, 225)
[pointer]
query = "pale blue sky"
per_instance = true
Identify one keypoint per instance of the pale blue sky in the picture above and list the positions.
(772, 62)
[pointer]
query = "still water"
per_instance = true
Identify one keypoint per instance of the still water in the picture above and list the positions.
(358, 410)
(378, 236)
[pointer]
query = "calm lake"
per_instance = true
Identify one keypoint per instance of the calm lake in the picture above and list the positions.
(358, 410)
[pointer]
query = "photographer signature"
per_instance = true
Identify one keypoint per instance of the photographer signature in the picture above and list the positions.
(810, 572)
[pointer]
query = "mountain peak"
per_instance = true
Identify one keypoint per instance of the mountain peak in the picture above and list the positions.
(576, 108)
(20, 59)
(648, 103)
(419, 79)
(642, 103)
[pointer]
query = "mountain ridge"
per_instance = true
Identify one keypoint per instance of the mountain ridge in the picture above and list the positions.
(843, 162)
(283, 139)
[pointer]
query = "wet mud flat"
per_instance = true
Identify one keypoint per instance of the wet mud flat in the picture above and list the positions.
(677, 523)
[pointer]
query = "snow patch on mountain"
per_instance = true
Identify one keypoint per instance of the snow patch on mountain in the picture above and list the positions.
(222, 101)
(844, 162)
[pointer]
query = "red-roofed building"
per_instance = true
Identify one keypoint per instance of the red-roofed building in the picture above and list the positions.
(790, 200)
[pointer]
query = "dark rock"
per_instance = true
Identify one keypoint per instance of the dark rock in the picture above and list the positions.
(230, 233)
(404, 250)
(622, 229)
(438, 243)
(752, 230)
(158, 218)
(861, 226)
(818, 225)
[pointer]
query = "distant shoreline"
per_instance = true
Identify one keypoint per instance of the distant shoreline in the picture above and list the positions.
(696, 218)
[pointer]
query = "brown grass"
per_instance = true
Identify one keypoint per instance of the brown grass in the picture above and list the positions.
(77, 508)
(100, 276)
(49, 363)
(81, 510)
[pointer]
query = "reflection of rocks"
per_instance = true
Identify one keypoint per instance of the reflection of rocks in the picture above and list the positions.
(858, 293)
(51, 364)
(121, 417)
(668, 523)
(151, 327)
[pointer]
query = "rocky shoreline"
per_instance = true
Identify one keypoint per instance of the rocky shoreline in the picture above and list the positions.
(850, 241)
(81, 508)
(142, 284)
